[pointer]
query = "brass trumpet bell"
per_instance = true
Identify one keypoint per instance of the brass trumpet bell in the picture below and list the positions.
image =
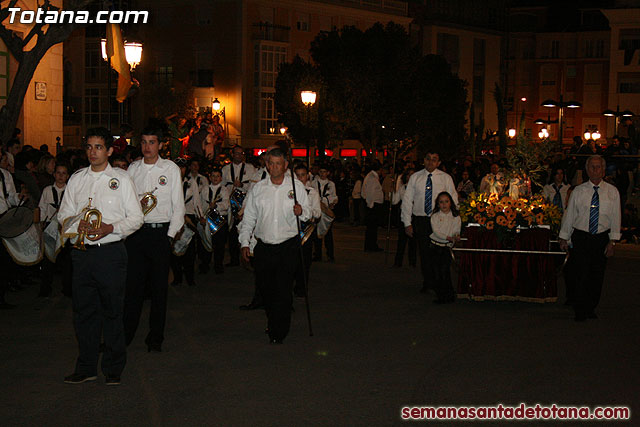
(94, 217)
(148, 202)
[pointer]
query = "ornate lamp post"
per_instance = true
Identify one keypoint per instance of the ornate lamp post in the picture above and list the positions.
(617, 114)
(308, 98)
(550, 103)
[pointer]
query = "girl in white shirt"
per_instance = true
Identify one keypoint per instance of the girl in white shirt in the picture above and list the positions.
(446, 224)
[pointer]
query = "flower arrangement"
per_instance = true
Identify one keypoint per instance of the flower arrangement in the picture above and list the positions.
(506, 214)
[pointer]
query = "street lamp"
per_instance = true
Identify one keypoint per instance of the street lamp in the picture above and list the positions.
(595, 135)
(550, 103)
(617, 114)
(283, 130)
(215, 106)
(512, 133)
(543, 134)
(308, 98)
(133, 53)
(587, 134)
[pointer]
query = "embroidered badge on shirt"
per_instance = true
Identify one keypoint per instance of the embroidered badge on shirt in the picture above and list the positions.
(291, 194)
(114, 183)
(162, 180)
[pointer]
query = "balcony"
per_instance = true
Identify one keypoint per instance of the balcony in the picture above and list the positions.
(270, 32)
(392, 7)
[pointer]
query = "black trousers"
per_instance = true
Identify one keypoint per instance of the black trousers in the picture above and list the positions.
(218, 242)
(372, 220)
(421, 232)
(403, 242)
(99, 281)
(48, 270)
(8, 268)
(184, 263)
(440, 257)
(590, 262)
(302, 272)
(328, 243)
(234, 244)
(149, 251)
(276, 266)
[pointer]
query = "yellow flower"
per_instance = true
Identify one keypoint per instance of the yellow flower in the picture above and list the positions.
(473, 203)
(490, 225)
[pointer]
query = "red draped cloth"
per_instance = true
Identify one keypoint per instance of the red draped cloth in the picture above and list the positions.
(505, 276)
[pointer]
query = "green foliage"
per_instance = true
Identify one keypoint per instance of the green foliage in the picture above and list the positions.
(374, 85)
(525, 159)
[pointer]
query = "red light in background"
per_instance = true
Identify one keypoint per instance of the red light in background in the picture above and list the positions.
(299, 152)
(348, 152)
(328, 153)
(258, 151)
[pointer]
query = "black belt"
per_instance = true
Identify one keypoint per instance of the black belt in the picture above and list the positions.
(586, 233)
(277, 244)
(155, 225)
(101, 245)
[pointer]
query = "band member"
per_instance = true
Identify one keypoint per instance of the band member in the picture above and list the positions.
(373, 197)
(592, 222)
(216, 196)
(149, 248)
(327, 191)
(194, 173)
(270, 213)
(260, 173)
(49, 204)
(8, 198)
(100, 271)
(302, 173)
(417, 206)
(556, 191)
(236, 175)
(193, 213)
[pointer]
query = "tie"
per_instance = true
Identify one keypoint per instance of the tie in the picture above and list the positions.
(428, 194)
(557, 199)
(594, 212)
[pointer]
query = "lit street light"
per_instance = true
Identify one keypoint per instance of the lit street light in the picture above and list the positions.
(617, 114)
(512, 133)
(308, 98)
(550, 103)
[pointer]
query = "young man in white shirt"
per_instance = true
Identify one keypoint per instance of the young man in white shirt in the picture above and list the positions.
(374, 199)
(149, 248)
(49, 204)
(592, 222)
(100, 271)
(302, 173)
(236, 175)
(8, 198)
(270, 214)
(216, 196)
(328, 196)
(417, 206)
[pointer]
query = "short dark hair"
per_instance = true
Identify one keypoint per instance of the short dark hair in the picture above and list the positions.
(153, 130)
(216, 170)
(277, 152)
(300, 166)
(12, 142)
(62, 165)
(454, 209)
(101, 132)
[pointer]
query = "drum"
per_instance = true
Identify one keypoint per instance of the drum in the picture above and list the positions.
(15, 221)
(326, 219)
(236, 201)
(52, 240)
(215, 221)
(205, 237)
(180, 246)
(306, 230)
(26, 248)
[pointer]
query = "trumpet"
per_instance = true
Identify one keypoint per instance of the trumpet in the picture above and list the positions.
(89, 214)
(146, 198)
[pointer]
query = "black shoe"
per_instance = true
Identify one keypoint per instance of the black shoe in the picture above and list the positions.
(174, 283)
(592, 315)
(275, 341)
(112, 380)
(251, 306)
(79, 378)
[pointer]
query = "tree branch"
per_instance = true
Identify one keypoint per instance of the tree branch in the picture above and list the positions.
(13, 42)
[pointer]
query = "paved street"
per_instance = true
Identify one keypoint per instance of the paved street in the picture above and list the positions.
(379, 344)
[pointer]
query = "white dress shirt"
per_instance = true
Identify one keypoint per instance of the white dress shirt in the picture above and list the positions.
(372, 189)
(216, 192)
(400, 190)
(577, 214)
(192, 198)
(202, 181)
(260, 174)
(268, 212)
(244, 172)
(413, 200)
(445, 225)
(549, 193)
(112, 192)
(357, 190)
(8, 195)
(48, 207)
(327, 191)
(314, 199)
(164, 177)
